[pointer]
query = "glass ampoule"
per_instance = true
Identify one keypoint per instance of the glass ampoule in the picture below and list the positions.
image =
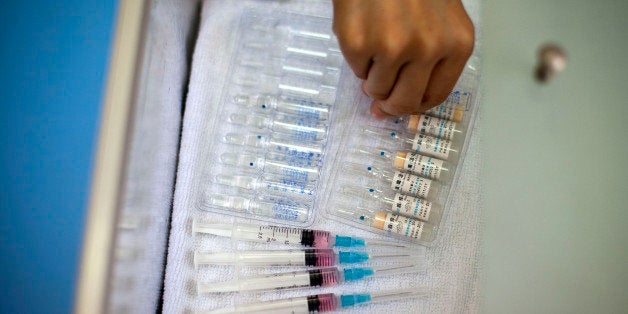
(371, 200)
(327, 52)
(402, 182)
(292, 85)
(268, 184)
(313, 69)
(425, 166)
(264, 205)
(303, 108)
(278, 144)
(422, 144)
(391, 223)
(433, 126)
(295, 129)
(289, 30)
(269, 164)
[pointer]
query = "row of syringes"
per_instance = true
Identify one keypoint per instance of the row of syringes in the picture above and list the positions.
(326, 302)
(321, 256)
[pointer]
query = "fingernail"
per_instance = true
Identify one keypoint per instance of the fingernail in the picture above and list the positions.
(376, 113)
(363, 88)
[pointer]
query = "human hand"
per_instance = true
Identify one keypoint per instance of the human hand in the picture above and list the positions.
(409, 53)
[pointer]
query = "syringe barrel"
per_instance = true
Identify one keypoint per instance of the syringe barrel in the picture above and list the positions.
(325, 302)
(306, 257)
(288, 236)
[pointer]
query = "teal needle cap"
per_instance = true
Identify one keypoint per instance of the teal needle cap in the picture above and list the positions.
(356, 273)
(348, 241)
(347, 300)
(352, 257)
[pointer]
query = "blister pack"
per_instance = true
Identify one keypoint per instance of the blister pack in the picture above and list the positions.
(397, 176)
(267, 147)
(284, 151)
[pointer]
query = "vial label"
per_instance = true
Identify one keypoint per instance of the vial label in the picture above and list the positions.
(423, 165)
(406, 226)
(295, 175)
(440, 128)
(288, 187)
(442, 111)
(411, 207)
(432, 146)
(410, 184)
(286, 211)
(458, 98)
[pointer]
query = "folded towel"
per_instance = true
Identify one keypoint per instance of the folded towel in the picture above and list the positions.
(452, 263)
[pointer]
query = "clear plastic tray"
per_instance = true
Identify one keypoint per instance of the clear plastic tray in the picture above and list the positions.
(286, 150)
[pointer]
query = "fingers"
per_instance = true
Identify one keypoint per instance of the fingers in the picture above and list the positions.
(446, 72)
(407, 92)
(381, 78)
(409, 53)
(352, 36)
(442, 81)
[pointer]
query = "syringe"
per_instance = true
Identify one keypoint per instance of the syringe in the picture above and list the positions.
(268, 184)
(293, 127)
(316, 303)
(278, 144)
(306, 257)
(398, 203)
(297, 107)
(289, 236)
(423, 144)
(393, 224)
(264, 206)
(289, 169)
(425, 166)
(403, 182)
(321, 277)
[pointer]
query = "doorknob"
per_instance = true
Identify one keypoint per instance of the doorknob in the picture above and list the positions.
(551, 60)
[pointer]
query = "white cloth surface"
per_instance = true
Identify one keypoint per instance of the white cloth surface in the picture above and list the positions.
(137, 271)
(451, 276)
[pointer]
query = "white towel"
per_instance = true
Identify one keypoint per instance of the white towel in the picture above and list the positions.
(137, 270)
(452, 268)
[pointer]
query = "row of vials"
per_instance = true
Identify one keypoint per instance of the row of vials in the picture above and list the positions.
(397, 191)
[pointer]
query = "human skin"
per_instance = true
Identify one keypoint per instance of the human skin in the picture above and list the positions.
(409, 53)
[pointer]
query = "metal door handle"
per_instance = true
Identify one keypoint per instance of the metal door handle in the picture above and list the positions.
(552, 59)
